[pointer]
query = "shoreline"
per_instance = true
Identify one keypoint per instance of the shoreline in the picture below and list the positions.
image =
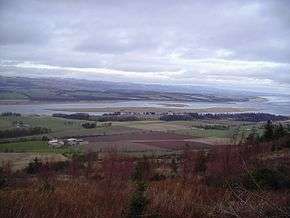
(169, 103)
(153, 109)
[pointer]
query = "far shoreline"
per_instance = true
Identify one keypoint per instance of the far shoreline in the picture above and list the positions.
(154, 109)
(169, 103)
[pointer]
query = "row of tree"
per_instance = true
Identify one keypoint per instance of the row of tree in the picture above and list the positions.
(271, 132)
(248, 117)
(89, 125)
(19, 132)
(102, 118)
(10, 114)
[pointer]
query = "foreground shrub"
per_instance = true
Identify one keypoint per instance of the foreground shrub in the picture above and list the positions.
(267, 179)
(34, 166)
(69, 199)
(3, 178)
(139, 200)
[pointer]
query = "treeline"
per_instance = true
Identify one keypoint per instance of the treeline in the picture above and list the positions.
(75, 116)
(102, 118)
(89, 125)
(119, 118)
(249, 117)
(10, 114)
(272, 133)
(19, 132)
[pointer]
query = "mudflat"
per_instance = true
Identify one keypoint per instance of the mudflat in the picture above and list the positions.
(155, 109)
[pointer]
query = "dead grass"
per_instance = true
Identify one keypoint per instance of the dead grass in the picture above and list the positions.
(19, 161)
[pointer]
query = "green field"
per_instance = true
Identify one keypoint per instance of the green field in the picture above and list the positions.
(72, 128)
(191, 128)
(55, 124)
(60, 127)
(32, 146)
(63, 127)
(154, 125)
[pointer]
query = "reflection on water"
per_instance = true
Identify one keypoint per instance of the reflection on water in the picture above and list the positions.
(273, 104)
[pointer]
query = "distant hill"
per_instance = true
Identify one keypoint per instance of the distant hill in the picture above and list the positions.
(55, 89)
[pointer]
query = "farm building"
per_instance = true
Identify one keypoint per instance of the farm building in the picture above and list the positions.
(55, 143)
(71, 142)
(75, 142)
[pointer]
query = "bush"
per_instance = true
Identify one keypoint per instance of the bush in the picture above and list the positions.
(273, 131)
(142, 170)
(44, 138)
(59, 166)
(89, 125)
(287, 142)
(139, 201)
(268, 179)
(3, 178)
(34, 166)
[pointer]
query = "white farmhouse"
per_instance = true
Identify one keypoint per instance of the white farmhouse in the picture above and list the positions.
(55, 143)
(75, 142)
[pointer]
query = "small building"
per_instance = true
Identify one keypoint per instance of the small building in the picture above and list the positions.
(169, 113)
(71, 142)
(75, 142)
(55, 143)
(20, 124)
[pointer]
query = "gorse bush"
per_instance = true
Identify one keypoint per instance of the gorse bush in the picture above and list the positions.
(34, 166)
(273, 131)
(3, 178)
(266, 178)
(139, 200)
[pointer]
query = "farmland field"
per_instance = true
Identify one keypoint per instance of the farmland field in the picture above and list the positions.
(30, 146)
(191, 128)
(60, 127)
(137, 138)
(154, 125)
(143, 142)
(55, 124)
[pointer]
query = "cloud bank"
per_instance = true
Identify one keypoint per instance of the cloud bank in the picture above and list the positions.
(240, 44)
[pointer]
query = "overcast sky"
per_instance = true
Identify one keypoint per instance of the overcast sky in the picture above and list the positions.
(239, 43)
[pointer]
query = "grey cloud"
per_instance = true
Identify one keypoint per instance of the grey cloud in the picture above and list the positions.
(117, 41)
(149, 36)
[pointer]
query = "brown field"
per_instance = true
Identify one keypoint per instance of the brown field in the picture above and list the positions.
(174, 144)
(155, 125)
(144, 141)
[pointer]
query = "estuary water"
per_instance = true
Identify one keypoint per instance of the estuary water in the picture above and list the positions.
(268, 104)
